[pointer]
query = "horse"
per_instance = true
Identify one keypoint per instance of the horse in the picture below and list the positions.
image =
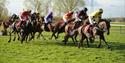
(22, 27)
(71, 29)
(88, 32)
(59, 27)
(104, 26)
(38, 22)
(9, 22)
(14, 28)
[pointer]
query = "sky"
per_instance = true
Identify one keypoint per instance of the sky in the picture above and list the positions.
(112, 8)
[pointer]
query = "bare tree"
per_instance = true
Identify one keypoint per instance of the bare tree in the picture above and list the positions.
(33, 4)
(40, 6)
(66, 5)
(3, 10)
(58, 6)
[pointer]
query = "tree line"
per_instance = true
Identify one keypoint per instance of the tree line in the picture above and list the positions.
(43, 6)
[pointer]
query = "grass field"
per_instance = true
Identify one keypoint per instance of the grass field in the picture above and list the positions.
(52, 51)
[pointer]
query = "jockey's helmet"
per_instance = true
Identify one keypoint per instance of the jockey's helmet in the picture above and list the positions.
(85, 9)
(101, 10)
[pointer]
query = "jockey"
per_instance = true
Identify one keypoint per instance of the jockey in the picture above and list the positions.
(67, 17)
(48, 19)
(25, 15)
(81, 14)
(95, 16)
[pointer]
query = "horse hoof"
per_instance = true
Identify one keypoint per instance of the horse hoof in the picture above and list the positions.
(63, 40)
(65, 43)
(99, 47)
(109, 47)
(8, 41)
(88, 46)
(13, 40)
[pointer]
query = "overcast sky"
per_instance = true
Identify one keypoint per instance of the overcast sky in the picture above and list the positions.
(112, 8)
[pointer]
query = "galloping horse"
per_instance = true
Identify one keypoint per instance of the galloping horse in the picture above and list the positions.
(10, 21)
(87, 32)
(14, 28)
(37, 26)
(59, 28)
(71, 29)
(104, 26)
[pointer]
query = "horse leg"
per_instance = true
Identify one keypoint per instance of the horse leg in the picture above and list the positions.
(73, 40)
(10, 36)
(23, 35)
(65, 39)
(99, 42)
(76, 37)
(87, 42)
(43, 36)
(38, 37)
(57, 35)
(31, 37)
(14, 36)
(81, 41)
(18, 36)
(103, 38)
(53, 34)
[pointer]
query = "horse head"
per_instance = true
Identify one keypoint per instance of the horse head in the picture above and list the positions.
(105, 25)
(13, 18)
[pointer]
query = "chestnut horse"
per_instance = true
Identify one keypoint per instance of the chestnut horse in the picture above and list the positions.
(59, 27)
(71, 29)
(87, 32)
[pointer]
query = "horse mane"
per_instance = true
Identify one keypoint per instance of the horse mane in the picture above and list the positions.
(71, 20)
(107, 21)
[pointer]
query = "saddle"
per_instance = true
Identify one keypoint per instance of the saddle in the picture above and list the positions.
(88, 29)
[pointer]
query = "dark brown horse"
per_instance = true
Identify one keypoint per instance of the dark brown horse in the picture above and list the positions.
(37, 27)
(87, 32)
(14, 29)
(9, 22)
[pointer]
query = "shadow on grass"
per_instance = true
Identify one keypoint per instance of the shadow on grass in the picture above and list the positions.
(117, 45)
(114, 45)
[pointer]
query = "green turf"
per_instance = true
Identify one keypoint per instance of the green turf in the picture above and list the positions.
(52, 51)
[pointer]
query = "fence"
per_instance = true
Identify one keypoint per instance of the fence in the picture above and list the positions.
(118, 28)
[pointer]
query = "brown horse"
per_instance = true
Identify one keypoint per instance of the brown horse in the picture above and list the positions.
(87, 32)
(69, 33)
(44, 27)
(104, 26)
(71, 30)
(59, 27)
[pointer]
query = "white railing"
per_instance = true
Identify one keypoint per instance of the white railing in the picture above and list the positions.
(117, 25)
(121, 28)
